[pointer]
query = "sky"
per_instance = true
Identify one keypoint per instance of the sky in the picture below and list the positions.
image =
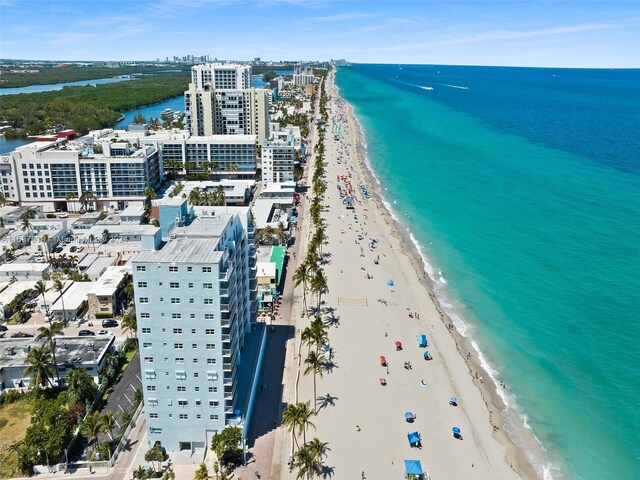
(558, 33)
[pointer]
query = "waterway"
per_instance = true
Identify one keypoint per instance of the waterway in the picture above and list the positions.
(59, 86)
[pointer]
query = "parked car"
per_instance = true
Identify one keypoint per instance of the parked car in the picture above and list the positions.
(109, 322)
(73, 248)
(3, 328)
(57, 250)
(21, 335)
(80, 248)
(103, 332)
(63, 215)
(85, 333)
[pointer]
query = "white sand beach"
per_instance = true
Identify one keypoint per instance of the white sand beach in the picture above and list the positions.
(372, 316)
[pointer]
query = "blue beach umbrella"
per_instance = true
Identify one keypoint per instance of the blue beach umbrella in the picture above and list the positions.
(390, 283)
(456, 431)
(453, 401)
(408, 415)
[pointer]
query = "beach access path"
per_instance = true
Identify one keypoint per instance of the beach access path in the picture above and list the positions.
(364, 423)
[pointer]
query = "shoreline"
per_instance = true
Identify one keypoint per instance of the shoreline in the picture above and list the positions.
(518, 457)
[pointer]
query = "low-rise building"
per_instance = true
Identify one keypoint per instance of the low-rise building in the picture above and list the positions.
(73, 302)
(106, 296)
(71, 352)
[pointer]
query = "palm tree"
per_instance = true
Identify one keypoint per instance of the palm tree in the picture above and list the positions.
(319, 332)
(296, 418)
(26, 224)
(302, 275)
(319, 285)
(39, 367)
(139, 473)
(86, 198)
(314, 363)
(149, 193)
(202, 473)
(105, 236)
(304, 462)
(58, 286)
(70, 196)
(109, 423)
(54, 329)
(195, 196)
(281, 233)
(92, 427)
(41, 289)
(267, 233)
(129, 324)
(318, 449)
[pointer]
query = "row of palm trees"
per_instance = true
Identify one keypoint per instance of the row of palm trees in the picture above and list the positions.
(308, 456)
(266, 234)
(215, 197)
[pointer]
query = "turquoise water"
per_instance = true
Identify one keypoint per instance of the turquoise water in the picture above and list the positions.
(59, 86)
(150, 111)
(522, 186)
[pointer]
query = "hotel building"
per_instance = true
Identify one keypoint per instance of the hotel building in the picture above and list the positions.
(278, 157)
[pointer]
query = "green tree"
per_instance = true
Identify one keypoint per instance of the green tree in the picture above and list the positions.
(139, 473)
(318, 449)
(129, 324)
(281, 234)
(202, 473)
(86, 198)
(314, 364)
(49, 333)
(305, 464)
(39, 367)
(109, 423)
(227, 443)
(81, 386)
(58, 286)
(169, 474)
(40, 288)
(296, 418)
(302, 275)
(139, 119)
(149, 193)
(155, 454)
(319, 285)
(92, 427)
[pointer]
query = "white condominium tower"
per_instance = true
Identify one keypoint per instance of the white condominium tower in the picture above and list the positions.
(220, 76)
(220, 101)
(193, 301)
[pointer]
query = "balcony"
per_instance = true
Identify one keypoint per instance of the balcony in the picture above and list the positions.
(226, 337)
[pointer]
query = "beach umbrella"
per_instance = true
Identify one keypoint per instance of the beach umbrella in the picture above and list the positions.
(453, 401)
(456, 430)
(408, 416)
(390, 283)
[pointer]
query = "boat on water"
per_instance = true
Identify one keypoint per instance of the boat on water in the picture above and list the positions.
(167, 113)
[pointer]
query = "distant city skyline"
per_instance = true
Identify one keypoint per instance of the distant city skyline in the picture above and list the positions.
(517, 33)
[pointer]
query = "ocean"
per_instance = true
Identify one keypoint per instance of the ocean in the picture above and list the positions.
(521, 188)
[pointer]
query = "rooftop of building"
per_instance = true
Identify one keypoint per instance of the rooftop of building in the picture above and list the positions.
(69, 350)
(183, 250)
(73, 296)
(108, 283)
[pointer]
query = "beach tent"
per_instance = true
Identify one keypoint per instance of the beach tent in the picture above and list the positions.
(413, 469)
(390, 283)
(414, 439)
(422, 340)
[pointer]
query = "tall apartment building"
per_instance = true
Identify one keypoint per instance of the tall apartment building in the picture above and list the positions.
(303, 75)
(54, 174)
(220, 76)
(278, 160)
(227, 112)
(194, 303)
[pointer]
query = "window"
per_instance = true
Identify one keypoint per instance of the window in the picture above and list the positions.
(193, 330)
(213, 417)
(208, 301)
(208, 331)
(190, 285)
(195, 360)
(150, 374)
(147, 345)
(214, 403)
(182, 389)
(198, 416)
(142, 284)
(211, 361)
(141, 268)
(153, 415)
(153, 402)
(207, 285)
(148, 359)
(175, 300)
(178, 346)
(196, 374)
(177, 331)
(197, 389)
(208, 316)
(212, 376)
(206, 269)
(191, 300)
(181, 375)
(211, 346)
(183, 416)
(146, 330)
(174, 285)
(194, 345)
(144, 315)
(143, 300)
(176, 316)
(189, 269)
(151, 388)
(173, 269)
(179, 360)
(182, 403)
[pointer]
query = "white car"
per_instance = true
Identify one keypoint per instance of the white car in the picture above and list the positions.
(63, 215)
(103, 332)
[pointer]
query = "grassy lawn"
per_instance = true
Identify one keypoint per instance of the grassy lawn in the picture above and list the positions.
(14, 421)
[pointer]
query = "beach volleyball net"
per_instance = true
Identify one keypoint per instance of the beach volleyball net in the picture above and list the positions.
(362, 302)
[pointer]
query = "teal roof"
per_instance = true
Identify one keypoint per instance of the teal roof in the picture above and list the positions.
(277, 257)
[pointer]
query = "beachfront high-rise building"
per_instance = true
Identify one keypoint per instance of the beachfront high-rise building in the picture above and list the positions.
(278, 159)
(303, 75)
(56, 174)
(220, 76)
(193, 307)
(227, 112)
